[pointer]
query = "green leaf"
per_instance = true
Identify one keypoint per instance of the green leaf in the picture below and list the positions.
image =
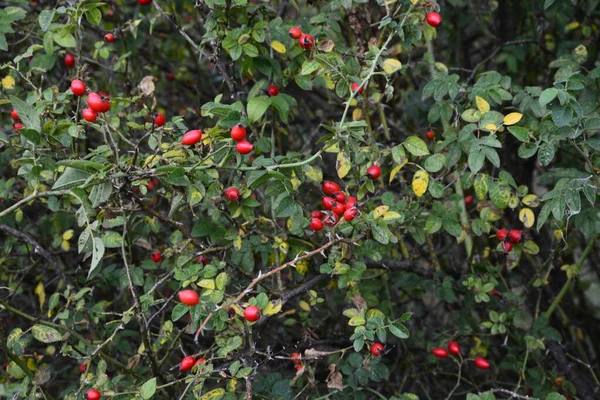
(65, 39)
(250, 50)
(476, 160)
(287, 207)
(416, 146)
(399, 330)
(94, 16)
(546, 153)
(257, 106)
(69, 178)
(148, 389)
(29, 116)
(435, 162)
(100, 193)
(480, 185)
(46, 17)
(112, 239)
(45, 334)
(520, 133)
(308, 67)
(547, 96)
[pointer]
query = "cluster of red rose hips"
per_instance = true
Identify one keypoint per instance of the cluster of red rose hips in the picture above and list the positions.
(188, 362)
(238, 134)
(336, 203)
(305, 40)
(97, 102)
(454, 348)
(509, 238)
(17, 126)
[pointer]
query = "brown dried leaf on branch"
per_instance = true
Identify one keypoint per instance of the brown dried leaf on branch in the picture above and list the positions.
(334, 379)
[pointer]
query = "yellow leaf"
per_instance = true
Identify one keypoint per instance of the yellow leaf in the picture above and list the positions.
(391, 65)
(491, 127)
(342, 164)
(397, 168)
(441, 67)
(68, 235)
(302, 267)
(526, 217)
(278, 47)
(304, 305)
(391, 215)
(151, 160)
(379, 211)
(572, 26)
(65, 245)
(334, 148)
(329, 82)
(237, 242)
(213, 394)
(420, 182)
(8, 82)
(314, 174)
(272, 308)
(531, 200)
(482, 105)
(41, 293)
(512, 118)
(356, 114)
(206, 283)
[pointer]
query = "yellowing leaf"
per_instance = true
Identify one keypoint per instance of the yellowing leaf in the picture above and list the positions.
(329, 82)
(237, 242)
(420, 182)
(65, 245)
(68, 234)
(441, 67)
(326, 45)
(278, 47)
(482, 105)
(397, 168)
(213, 394)
(41, 293)
(379, 211)
(391, 65)
(8, 82)
(491, 127)
(314, 174)
(151, 160)
(272, 308)
(304, 305)
(526, 217)
(334, 148)
(530, 247)
(512, 118)
(571, 26)
(531, 200)
(206, 283)
(391, 215)
(342, 165)
(356, 114)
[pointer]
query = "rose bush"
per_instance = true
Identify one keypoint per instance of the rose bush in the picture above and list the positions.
(322, 199)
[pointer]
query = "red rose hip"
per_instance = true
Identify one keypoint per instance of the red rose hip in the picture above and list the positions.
(156, 256)
(272, 90)
(373, 172)
(69, 61)
(316, 224)
(232, 194)
(244, 147)
(355, 88)
(295, 32)
(159, 120)
(98, 103)
(187, 363)
(191, 137)
(252, 314)
(89, 115)
(482, 363)
(93, 394)
(188, 297)
(329, 187)
(377, 349)
(238, 132)
(434, 19)
(306, 41)
(501, 234)
(78, 87)
(440, 352)
(454, 347)
(515, 235)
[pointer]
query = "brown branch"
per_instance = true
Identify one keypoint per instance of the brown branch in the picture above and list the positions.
(38, 248)
(511, 394)
(262, 276)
